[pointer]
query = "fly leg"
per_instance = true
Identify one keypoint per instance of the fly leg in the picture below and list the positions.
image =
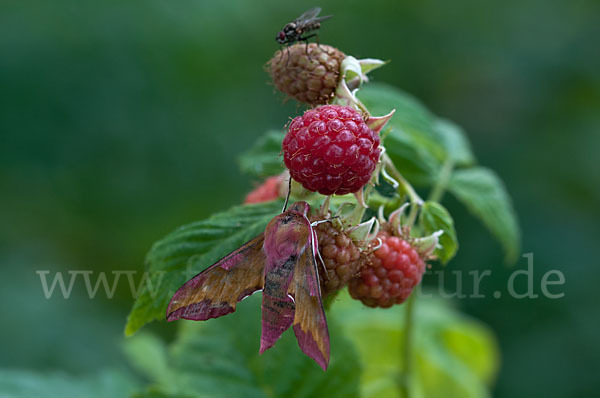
(305, 40)
(318, 44)
(287, 51)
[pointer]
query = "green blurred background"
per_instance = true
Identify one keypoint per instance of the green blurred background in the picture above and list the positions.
(120, 120)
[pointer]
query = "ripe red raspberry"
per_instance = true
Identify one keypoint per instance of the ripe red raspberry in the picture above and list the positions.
(391, 273)
(331, 150)
(307, 73)
(267, 191)
(341, 256)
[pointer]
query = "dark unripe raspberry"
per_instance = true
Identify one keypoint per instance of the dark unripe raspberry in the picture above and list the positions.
(341, 256)
(331, 150)
(391, 273)
(267, 191)
(307, 73)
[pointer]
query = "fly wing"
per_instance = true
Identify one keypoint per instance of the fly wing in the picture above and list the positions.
(215, 291)
(321, 19)
(309, 15)
(310, 324)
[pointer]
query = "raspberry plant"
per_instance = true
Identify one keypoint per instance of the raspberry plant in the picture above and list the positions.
(359, 149)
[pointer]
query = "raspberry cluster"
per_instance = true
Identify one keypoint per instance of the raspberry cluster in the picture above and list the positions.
(390, 274)
(341, 256)
(308, 73)
(331, 150)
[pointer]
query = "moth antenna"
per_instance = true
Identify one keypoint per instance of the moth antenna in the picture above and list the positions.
(287, 197)
(322, 262)
(330, 219)
(315, 223)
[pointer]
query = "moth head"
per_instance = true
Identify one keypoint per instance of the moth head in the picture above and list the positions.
(300, 207)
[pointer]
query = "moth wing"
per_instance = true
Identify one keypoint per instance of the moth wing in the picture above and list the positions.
(215, 291)
(285, 241)
(310, 324)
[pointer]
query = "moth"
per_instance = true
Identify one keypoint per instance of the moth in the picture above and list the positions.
(281, 262)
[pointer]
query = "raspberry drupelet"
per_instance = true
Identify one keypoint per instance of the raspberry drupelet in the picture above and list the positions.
(331, 150)
(308, 73)
(391, 273)
(341, 256)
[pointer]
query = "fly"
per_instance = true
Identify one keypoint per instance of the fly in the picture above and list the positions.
(295, 30)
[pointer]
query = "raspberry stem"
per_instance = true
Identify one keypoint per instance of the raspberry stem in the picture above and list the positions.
(325, 205)
(405, 185)
(359, 210)
(406, 374)
(437, 193)
(415, 200)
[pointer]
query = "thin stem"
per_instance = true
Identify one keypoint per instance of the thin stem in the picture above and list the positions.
(412, 216)
(405, 185)
(405, 377)
(437, 193)
(377, 200)
(325, 205)
(416, 202)
(415, 199)
(359, 210)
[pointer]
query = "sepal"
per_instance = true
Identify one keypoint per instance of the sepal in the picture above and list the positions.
(365, 232)
(397, 218)
(427, 244)
(377, 123)
(353, 74)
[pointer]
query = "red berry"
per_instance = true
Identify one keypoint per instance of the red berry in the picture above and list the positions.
(267, 191)
(390, 274)
(331, 150)
(340, 254)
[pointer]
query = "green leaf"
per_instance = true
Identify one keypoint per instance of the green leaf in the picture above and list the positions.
(148, 355)
(413, 144)
(414, 162)
(263, 160)
(190, 249)
(483, 193)
(435, 217)
(27, 384)
(152, 392)
(419, 144)
(472, 344)
(220, 358)
(454, 355)
(455, 142)
(411, 117)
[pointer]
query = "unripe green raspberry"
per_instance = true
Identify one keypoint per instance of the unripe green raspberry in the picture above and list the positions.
(308, 73)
